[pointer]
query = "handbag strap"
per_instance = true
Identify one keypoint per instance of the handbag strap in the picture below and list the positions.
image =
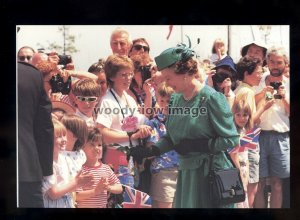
(211, 156)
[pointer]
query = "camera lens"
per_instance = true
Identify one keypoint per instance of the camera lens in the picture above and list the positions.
(60, 86)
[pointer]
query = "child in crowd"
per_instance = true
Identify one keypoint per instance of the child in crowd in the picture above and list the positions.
(164, 168)
(218, 51)
(77, 131)
(58, 187)
(244, 122)
(87, 93)
(98, 70)
(105, 179)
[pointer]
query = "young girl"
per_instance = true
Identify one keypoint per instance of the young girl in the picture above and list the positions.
(77, 131)
(58, 187)
(73, 155)
(105, 179)
(218, 51)
(243, 122)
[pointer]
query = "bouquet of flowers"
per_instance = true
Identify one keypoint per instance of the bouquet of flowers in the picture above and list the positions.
(130, 125)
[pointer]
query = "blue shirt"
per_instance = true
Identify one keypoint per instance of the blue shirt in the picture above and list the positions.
(168, 159)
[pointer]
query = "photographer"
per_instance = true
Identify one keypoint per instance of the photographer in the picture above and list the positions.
(58, 82)
(141, 88)
(224, 78)
(63, 61)
(274, 138)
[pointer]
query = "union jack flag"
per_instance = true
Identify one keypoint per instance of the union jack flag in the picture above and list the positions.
(249, 140)
(136, 199)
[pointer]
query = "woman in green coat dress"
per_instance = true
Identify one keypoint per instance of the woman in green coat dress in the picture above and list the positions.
(199, 122)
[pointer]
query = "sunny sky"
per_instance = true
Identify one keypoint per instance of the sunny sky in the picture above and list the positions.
(92, 41)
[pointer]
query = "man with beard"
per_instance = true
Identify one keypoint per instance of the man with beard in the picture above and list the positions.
(274, 138)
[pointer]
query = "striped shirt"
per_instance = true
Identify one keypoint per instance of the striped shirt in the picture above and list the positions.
(100, 200)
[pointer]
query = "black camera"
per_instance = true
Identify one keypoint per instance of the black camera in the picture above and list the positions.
(220, 77)
(64, 60)
(146, 72)
(58, 85)
(276, 86)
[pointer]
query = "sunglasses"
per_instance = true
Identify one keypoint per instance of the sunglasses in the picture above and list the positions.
(87, 98)
(23, 58)
(139, 47)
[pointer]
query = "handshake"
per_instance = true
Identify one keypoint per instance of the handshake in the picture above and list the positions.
(138, 153)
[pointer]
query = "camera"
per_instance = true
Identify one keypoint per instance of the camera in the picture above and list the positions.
(276, 86)
(64, 60)
(220, 77)
(58, 85)
(146, 72)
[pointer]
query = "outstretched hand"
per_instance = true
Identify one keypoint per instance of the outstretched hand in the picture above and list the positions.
(139, 153)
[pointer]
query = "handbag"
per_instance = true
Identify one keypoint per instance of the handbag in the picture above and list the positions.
(226, 186)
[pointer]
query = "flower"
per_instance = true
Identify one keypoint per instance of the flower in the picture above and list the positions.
(130, 124)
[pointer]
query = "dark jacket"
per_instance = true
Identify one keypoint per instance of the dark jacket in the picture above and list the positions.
(35, 128)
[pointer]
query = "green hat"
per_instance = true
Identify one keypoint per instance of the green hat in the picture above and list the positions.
(172, 55)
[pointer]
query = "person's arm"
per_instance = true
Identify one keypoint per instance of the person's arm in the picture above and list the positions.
(57, 191)
(284, 99)
(85, 194)
(78, 74)
(148, 100)
(261, 95)
(113, 136)
(221, 119)
(115, 188)
(262, 109)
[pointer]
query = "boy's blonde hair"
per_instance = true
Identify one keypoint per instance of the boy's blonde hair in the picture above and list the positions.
(59, 128)
(239, 105)
(78, 127)
(163, 90)
(86, 87)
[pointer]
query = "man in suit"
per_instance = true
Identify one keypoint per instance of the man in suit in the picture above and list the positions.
(35, 136)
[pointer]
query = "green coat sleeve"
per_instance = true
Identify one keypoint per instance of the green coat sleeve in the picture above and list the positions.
(164, 144)
(221, 118)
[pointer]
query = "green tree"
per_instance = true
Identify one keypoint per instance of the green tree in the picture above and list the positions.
(68, 46)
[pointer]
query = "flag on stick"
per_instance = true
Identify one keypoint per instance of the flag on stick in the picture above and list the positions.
(249, 140)
(136, 199)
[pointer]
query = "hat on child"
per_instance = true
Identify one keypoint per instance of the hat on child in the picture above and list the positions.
(174, 54)
(226, 61)
(257, 43)
(64, 104)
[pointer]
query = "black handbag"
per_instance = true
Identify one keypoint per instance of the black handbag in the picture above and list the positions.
(226, 186)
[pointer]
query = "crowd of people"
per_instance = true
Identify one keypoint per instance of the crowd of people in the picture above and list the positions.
(150, 124)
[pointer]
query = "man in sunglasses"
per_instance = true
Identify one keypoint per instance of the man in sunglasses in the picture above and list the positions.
(139, 46)
(25, 54)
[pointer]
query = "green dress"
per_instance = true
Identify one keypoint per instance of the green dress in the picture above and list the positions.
(207, 115)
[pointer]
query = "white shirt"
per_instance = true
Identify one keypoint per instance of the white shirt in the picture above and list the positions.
(275, 118)
(110, 115)
(89, 120)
